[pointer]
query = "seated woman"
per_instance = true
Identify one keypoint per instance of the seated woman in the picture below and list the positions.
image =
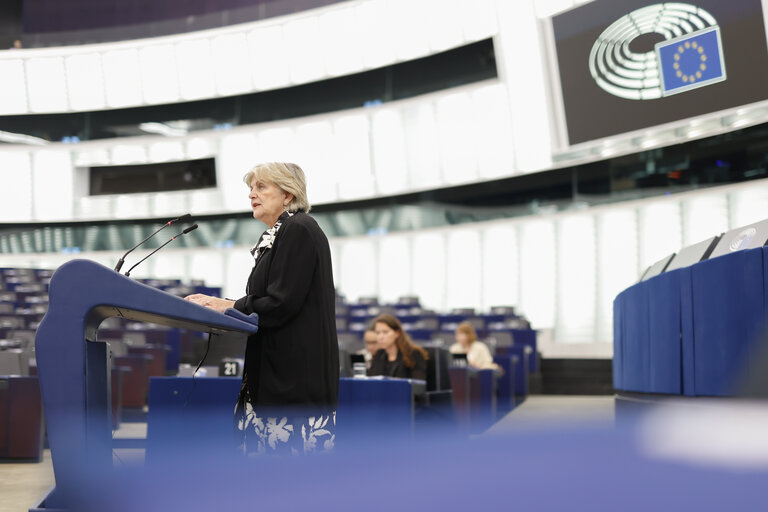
(398, 355)
(371, 346)
(478, 355)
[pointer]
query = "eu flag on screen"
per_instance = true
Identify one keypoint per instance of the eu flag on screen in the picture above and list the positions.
(691, 61)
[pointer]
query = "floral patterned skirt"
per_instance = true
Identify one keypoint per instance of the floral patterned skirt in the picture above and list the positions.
(282, 434)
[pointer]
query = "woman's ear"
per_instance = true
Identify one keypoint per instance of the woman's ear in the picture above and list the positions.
(288, 198)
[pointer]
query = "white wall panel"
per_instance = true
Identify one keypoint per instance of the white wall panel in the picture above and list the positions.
(238, 265)
(389, 153)
(422, 145)
(269, 57)
(413, 29)
(47, 84)
(538, 278)
(159, 73)
(464, 281)
(480, 19)
(238, 155)
(95, 207)
(576, 279)
(521, 64)
(660, 231)
(127, 206)
(276, 145)
(314, 144)
(229, 54)
(200, 147)
(429, 270)
(123, 154)
(52, 185)
(493, 131)
(375, 43)
(13, 83)
(352, 155)
(449, 32)
(704, 216)
(341, 32)
(209, 265)
(394, 267)
(89, 156)
(304, 50)
(166, 151)
(16, 177)
(122, 74)
(169, 204)
(457, 151)
(171, 263)
(749, 204)
(500, 266)
(85, 82)
(358, 259)
(196, 81)
(617, 264)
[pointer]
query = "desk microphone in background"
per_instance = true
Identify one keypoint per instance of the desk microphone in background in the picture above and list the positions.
(183, 218)
(190, 228)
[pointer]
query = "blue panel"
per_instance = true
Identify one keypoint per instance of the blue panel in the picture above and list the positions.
(367, 406)
(506, 384)
(664, 350)
(618, 341)
(686, 337)
(527, 337)
(636, 353)
(728, 316)
(186, 414)
(173, 356)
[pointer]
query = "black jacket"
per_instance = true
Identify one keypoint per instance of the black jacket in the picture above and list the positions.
(381, 365)
(293, 360)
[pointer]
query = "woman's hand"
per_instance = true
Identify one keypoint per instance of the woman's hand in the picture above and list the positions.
(214, 303)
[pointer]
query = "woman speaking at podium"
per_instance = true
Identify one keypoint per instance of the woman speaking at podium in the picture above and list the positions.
(290, 385)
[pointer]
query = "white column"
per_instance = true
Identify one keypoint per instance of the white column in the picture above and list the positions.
(520, 60)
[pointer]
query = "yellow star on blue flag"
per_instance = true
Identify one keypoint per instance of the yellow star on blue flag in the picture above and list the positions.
(691, 61)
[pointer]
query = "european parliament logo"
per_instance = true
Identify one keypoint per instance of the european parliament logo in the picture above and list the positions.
(690, 56)
(691, 61)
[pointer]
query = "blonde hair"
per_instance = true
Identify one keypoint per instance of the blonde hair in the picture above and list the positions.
(289, 177)
(469, 330)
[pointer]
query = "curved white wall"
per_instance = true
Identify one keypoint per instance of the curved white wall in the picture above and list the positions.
(451, 137)
(332, 41)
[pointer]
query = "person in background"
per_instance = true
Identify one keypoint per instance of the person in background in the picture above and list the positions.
(16, 45)
(398, 356)
(290, 386)
(371, 346)
(478, 355)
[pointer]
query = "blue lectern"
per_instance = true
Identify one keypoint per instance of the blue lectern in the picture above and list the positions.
(74, 370)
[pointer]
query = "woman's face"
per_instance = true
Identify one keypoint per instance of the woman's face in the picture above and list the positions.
(462, 338)
(385, 335)
(268, 201)
(371, 341)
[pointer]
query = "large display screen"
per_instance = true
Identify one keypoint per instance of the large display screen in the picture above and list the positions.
(633, 64)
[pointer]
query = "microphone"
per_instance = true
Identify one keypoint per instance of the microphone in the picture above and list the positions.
(183, 218)
(190, 228)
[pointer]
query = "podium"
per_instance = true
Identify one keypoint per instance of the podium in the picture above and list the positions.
(74, 369)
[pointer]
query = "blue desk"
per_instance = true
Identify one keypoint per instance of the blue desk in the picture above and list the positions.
(185, 414)
(692, 330)
(377, 404)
